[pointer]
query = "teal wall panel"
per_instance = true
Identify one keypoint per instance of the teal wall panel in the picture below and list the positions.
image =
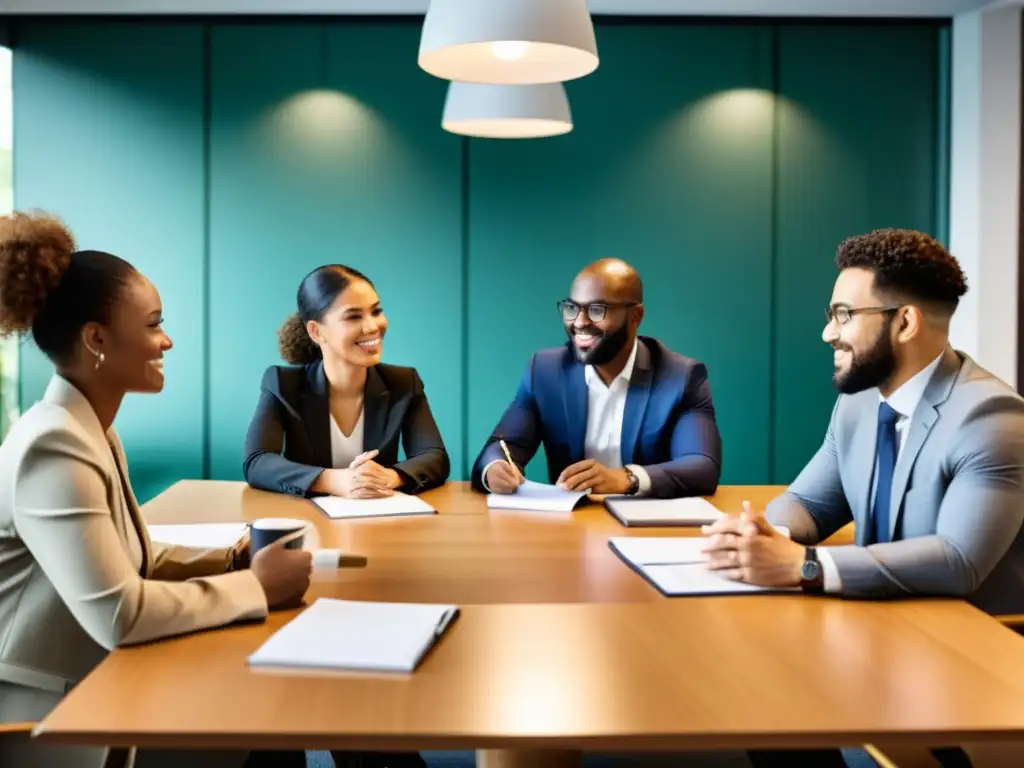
(326, 147)
(858, 124)
(669, 167)
(108, 134)
(726, 161)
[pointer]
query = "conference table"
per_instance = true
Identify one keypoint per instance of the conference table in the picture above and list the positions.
(561, 648)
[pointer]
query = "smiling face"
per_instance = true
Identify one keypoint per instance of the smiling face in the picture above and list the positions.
(353, 329)
(598, 342)
(133, 343)
(864, 354)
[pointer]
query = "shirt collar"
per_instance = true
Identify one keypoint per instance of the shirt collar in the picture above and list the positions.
(905, 399)
(593, 378)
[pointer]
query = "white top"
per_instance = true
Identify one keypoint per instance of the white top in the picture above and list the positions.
(904, 401)
(344, 448)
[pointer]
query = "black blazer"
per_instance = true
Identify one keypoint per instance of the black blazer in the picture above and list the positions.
(293, 415)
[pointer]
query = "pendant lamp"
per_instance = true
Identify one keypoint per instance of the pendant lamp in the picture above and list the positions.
(511, 42)
(507, 111)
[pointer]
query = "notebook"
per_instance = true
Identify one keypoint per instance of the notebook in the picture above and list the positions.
(662, 512)
(199, 535)
(396, 505)
(353, 635)
(675, 566)
(538, 497)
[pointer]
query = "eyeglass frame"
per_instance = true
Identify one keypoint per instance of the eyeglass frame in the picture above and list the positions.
(580, 307)
(851, 312)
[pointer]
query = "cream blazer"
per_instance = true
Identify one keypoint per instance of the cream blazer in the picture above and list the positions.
(78, 573)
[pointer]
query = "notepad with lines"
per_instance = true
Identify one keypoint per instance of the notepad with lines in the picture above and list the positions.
(675, 566)
(396, 505)
(354, 635)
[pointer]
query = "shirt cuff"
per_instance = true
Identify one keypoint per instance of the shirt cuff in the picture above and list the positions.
(483, 475)
(833, 582)
(641, 475)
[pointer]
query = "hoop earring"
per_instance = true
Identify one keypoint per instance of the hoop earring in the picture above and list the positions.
(99, 360)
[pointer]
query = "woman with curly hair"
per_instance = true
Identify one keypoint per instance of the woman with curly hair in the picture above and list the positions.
(78, 572)
(330, 424)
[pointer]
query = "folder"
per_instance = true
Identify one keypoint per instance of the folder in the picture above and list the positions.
(650, 513)
(359, 636)
(396, 505)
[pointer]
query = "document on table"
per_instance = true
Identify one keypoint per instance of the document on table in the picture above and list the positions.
(675, 565)
(353, 635)
(199, 535)
(538, 497)
(632, 512)
(396, 505)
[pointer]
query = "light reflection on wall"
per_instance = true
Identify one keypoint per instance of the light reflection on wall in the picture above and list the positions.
(8, 347)
(317, 125)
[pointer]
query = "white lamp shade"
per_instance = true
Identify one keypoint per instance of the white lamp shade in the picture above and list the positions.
(508, 41)
(507, 111)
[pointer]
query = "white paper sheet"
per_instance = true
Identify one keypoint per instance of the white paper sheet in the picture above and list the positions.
(536, 497)
(642, 550)
(695, 579)
(344, 634)
(399, 504)
(199, 535)
(686, 511)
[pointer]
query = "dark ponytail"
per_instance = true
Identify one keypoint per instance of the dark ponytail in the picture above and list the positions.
(317, 293)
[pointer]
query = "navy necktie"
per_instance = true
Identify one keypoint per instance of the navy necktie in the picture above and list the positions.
(886, 454)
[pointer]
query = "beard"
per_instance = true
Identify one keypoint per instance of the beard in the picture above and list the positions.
(607, 347)
(869, 369)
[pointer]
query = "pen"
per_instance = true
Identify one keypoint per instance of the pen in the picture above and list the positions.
(508, 456)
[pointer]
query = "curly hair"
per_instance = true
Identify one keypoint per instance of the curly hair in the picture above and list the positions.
(49, 288)
(906, 263)
(317, 293)
(294, 343)
(35, 253)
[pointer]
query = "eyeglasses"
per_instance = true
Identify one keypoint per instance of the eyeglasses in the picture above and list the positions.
(596, 312)
(844, 314)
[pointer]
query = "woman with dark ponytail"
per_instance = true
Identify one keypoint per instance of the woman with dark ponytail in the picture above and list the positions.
(78, 572)
(331, 423)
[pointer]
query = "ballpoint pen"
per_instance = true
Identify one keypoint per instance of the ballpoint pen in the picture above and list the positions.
(509, 456)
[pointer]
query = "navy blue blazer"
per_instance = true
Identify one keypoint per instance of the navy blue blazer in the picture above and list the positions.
(668, 427)
(288, 444)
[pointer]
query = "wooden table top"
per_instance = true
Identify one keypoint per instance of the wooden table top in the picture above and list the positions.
(465, 554)
(739, 672)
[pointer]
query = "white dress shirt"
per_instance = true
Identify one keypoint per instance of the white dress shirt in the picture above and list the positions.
(344, 448)
(606, 407)
(904, 401)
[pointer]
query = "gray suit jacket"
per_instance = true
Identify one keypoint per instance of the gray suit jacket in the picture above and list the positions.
(957, 495)
(78, 573)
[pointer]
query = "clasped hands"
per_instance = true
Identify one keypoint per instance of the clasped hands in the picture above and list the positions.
(503, 477)
(362, 479)
(747, 548)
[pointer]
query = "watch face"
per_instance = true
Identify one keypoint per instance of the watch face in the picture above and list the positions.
(810, 570)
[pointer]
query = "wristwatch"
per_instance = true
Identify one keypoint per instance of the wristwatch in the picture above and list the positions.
(634, 482)
(812, 577)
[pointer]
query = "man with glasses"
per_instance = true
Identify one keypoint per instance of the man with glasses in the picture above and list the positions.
(617, 413)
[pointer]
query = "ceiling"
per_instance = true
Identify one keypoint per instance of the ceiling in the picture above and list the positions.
(872, 8)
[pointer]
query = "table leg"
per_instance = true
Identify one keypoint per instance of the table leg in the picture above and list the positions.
(526, 758)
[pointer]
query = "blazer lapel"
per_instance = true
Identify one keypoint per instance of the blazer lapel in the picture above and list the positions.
(316, 413)
(862, 466)
(132, 504)
(575, 398)
(921, 422)
(637, 396)
(376, 399)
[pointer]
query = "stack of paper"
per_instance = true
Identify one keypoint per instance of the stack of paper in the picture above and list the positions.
(536, 497)
(675, 565)
(348, 635)
(199, 535)
(396, 505)
(633, 512)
